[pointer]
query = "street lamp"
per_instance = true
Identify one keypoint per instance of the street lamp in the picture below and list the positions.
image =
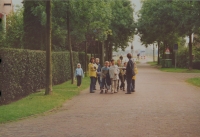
(121, 58)
(132, 49)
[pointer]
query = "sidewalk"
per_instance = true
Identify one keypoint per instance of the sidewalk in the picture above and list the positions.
(164, 105)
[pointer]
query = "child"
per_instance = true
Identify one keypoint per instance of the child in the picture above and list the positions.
(134, 77)
(114, 76)
(79, 74)
(104, 73)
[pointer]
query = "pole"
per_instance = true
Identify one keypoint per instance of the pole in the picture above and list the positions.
(102, 52)
(85, 56)
(175, 59)
(153, 53)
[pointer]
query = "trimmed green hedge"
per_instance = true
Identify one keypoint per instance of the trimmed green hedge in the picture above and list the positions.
(23, 71)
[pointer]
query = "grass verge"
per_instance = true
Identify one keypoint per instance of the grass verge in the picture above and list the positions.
(180, 70)
(152, 63)
(194, 81)
(177, 70)
(38, 103)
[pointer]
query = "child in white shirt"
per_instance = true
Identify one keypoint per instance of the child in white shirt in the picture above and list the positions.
(114, 76)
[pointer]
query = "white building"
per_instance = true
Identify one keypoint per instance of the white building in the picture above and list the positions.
(6, 7)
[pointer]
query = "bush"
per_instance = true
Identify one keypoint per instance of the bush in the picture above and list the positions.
(183, 58)
(196, 65)
(23, 71)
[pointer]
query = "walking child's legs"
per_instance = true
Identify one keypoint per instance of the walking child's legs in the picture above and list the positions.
(78, 80)
(103, 83)
(115, 85)
(112, 86)
(99, 81)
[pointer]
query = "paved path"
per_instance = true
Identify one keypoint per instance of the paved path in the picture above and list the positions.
(164, 105)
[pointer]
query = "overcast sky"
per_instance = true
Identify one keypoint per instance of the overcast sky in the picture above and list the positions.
(136, 43)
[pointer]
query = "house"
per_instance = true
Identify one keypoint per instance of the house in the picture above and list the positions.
(6, 7)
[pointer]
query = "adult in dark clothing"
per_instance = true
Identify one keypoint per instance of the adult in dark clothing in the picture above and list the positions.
(129, 73)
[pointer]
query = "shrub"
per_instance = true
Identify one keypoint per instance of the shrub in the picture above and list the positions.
(183, 58)
(23, 71)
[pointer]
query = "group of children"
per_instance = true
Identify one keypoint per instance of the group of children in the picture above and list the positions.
(108, 76)
(112, 74)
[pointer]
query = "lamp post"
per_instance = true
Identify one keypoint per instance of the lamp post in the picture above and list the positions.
(132, 49)
(121, 58)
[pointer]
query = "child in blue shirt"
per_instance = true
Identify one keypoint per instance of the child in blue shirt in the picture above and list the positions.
(79, 74)
(104, 81)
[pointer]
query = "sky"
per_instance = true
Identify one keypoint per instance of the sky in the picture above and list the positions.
(17, 2)
(136, 42)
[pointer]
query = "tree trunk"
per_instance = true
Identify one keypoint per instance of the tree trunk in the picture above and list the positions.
(85, 56)
(108, 51)
(190, 51)
(111, 51)
(70, 47)
(98, 49)
(153, 54)
(94, 48)
(163, 56)
(158, 53)
(102, 52)
(48, 49)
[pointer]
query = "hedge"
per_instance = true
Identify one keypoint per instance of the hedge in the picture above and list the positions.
(23, 71)
(196, 65)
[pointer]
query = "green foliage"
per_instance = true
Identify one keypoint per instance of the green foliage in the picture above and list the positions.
(167, 21)
(196, 52)
(194, 81)
(182, 58)
(122, 23)
(14, 30)
(38, 103)
(180, 70)
(91, 18)
(23, 71)
(156, 22)
(34, 29)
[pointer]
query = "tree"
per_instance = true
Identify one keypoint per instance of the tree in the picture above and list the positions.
(34, 28)
(157, 24)
(187, 14)
(122, 27)
(91, 20)
(69, 43)
(169, 19)
(48, 49)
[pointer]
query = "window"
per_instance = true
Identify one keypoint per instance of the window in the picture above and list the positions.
(7, 4)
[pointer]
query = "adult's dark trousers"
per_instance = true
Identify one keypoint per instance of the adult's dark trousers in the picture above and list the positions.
(79, 78)
(122, 79)
(129, 84)
(92, 83)
(133, 84)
